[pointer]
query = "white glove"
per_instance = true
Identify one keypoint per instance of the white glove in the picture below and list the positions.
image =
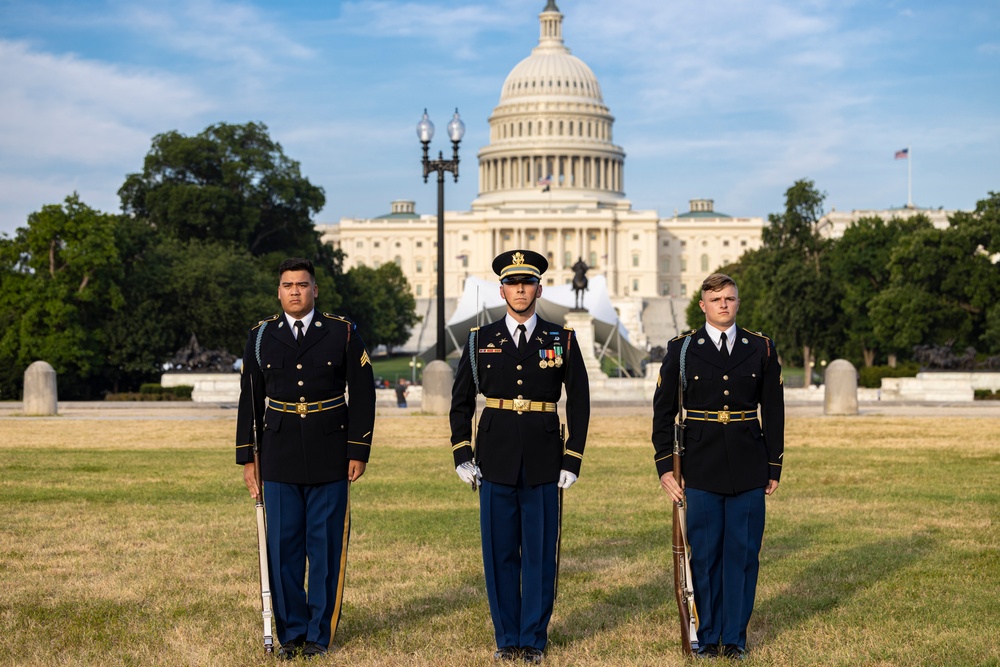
(469, 473)
(566, 479)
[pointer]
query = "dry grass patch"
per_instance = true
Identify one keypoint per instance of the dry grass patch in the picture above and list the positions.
(132, 542)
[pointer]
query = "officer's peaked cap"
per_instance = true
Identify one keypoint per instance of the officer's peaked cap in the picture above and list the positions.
(520, 263)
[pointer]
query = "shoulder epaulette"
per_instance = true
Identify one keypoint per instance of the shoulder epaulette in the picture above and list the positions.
(474, 329)
(757, 333)
(342, 318)
(266, 319)
(683, 335)
(568, 328)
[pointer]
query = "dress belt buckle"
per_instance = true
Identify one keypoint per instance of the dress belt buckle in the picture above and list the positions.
(301, 409)
(724, 417)
(522, 404)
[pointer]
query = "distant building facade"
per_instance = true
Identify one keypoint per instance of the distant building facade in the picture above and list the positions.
(833, 224)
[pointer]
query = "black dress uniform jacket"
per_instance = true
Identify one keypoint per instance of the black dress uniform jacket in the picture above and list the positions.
(506, 438)
(722, 458)
(315, 448)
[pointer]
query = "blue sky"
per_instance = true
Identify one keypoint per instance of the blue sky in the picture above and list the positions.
(725, 99)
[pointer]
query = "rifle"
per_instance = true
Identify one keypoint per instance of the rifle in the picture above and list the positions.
(683, 586)
(265, 580)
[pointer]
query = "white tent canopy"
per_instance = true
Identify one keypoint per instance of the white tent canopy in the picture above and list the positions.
(481, 303)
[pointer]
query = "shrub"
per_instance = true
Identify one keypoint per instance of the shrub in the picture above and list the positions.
(871, 377)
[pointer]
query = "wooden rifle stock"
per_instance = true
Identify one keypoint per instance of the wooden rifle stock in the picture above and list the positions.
(265, 579)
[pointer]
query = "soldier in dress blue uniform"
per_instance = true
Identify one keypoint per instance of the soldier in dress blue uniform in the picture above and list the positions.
(520, 364)
(735, 419)
(313, 444)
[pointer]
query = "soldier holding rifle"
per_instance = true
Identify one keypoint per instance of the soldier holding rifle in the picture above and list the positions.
(314, 443)
(734, 440)
(520, 363)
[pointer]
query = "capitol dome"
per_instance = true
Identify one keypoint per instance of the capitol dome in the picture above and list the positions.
(551, 133)
(551, 71)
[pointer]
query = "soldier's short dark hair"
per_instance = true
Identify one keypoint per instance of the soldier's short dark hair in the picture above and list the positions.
(717, 281)
(297, 264)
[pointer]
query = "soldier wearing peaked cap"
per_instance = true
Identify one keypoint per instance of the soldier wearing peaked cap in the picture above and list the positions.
(314, 443)
(735, 417)
(520, 363)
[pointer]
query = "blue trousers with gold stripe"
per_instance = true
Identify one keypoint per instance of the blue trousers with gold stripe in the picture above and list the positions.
(520, 530)
(307, 522)
(725, 534)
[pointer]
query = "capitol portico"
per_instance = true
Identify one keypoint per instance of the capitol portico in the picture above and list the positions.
(553, 180)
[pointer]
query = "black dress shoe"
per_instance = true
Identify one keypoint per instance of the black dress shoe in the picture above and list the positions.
(312, 649)
(508, 653)
(290, 650)
(733, 652)
(532, 655)
(710, 651)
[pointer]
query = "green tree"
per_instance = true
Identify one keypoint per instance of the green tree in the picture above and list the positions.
(381, 304)
(799, 302)
(944, 284)
(60, 277)
(227, 207)
(859, 263)
(231, 183)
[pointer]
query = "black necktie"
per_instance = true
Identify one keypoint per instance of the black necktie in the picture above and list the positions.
(725, 348)
(299, 332)
(521, 330)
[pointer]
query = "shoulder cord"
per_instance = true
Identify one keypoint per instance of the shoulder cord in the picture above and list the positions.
(260, 333)
(684, 349)
(474, 359)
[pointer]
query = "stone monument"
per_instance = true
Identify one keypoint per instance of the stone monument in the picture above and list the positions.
(40, 395)
(582, 324)
(438, 379)
(840, 385)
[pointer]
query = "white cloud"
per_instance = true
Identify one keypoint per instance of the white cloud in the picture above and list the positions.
(65, 108)
(225, 32)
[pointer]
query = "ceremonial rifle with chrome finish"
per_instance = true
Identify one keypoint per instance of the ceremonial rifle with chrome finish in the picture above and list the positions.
(265, 580)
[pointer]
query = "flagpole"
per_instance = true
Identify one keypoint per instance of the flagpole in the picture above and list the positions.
(909, 177)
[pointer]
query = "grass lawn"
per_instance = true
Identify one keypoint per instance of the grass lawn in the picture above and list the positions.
(133, 542)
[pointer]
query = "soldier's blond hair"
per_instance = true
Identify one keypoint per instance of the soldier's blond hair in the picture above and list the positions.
(717, 281)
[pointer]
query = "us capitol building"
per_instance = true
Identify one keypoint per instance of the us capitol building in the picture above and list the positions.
(551, 128)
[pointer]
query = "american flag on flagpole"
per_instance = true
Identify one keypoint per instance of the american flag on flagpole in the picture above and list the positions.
(903, 154)
(545, 182)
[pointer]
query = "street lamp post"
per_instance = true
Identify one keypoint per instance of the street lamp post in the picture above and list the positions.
(425, 131)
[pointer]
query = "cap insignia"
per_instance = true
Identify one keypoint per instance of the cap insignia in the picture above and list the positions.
(518, 259)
